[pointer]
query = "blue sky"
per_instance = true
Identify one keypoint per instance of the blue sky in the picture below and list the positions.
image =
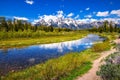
(76, 9)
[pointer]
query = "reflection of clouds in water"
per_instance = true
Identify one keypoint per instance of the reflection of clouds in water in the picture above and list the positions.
(61, 46)
(88, 46)
(87, 41)
(39, 53)
(31, 60)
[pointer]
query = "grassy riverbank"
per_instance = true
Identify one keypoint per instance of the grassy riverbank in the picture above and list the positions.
(44, 37)
(66, 67)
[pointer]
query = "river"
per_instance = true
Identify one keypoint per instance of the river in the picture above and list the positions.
(14, 59)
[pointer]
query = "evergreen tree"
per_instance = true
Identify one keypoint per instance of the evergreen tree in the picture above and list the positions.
(111, 27)
(115, 28)
(51, 29)
(4, 25)
(10, 25)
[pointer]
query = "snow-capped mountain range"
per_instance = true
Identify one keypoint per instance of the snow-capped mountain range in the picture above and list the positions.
(62, 21)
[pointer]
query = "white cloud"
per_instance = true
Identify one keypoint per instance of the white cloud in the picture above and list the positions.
(76, 17)
(60, 14)
(60, 18)
(103, 14)
(29, 2)
(47, 18)
(21, 18)
(116, 20)
(88, 16)
(70, 15)
(87, 9)
(87, 20)
(116, 12)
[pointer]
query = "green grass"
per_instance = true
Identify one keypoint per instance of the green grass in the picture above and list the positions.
(66, 67)
(45, 37)
(99, 47)
(84, 68)
(21, 39)
(70, 64)
(109, 36)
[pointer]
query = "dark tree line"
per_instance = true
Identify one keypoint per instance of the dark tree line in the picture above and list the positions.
(106, 27)
(14, 25)
(21, 25)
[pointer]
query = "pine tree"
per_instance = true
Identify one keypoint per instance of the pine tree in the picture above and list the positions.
(111, 27)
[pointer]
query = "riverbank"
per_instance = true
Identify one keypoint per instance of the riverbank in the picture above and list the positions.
(55, 68)
(66, 67)
(50, 37)
(91, 75)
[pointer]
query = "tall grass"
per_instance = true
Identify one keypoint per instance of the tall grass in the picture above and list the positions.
(99, 47)
(19, 39)
(27, 34)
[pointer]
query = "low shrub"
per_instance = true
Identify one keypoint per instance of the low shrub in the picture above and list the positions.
(109, 72)
(111, 69)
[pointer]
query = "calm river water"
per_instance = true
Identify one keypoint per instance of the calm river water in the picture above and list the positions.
(17, 59)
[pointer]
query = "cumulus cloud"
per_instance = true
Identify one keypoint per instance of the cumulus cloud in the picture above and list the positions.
(29, 2)
(87, 20)
(47, 18)
(88, 16)
(60, 14)
(60, 17)
(103, 14)
(76, 17)
(70, 15)
(116, 20)
(116, 12)
(21, 18)
(87, 9)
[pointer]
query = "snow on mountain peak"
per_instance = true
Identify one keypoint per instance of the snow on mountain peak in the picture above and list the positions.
(62, 20)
